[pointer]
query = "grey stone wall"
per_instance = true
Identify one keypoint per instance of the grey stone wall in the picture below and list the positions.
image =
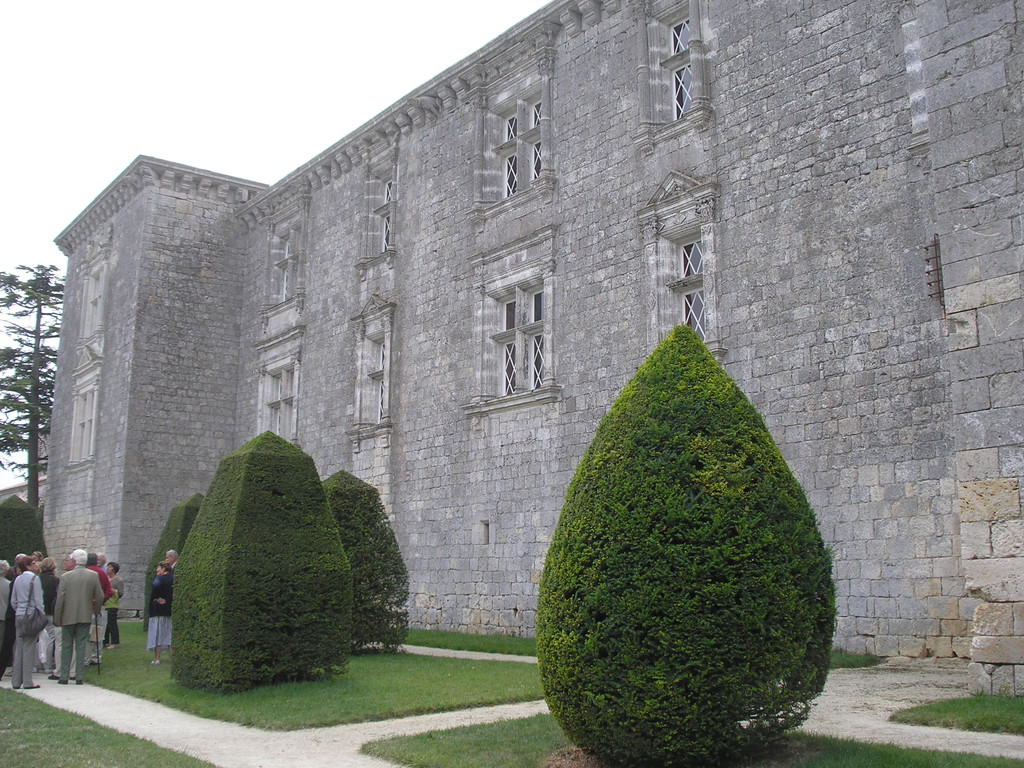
(168, 365)
(827, 150)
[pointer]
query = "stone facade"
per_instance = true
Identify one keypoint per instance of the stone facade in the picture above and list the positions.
(446, 302)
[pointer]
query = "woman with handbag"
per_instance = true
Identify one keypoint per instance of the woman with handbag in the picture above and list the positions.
(29, 617)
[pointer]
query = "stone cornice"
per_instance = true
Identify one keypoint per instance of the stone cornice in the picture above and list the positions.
(145, 172)
(530, 43)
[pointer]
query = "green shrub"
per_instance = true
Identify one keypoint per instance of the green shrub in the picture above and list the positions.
(686, 605)
(173, 537)
(264, 593)
(380, 582)
(21, 529)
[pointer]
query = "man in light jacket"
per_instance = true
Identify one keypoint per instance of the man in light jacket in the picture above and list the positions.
(79, 599)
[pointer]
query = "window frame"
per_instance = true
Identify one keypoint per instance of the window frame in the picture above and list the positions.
(679, 221)
(509, 313)
(374, 346)
(279, 405)
(520, 149)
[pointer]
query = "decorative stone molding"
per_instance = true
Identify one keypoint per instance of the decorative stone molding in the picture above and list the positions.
(535, 36)
(145, 172)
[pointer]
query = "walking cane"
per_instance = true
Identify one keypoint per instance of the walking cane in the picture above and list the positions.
(96, 626)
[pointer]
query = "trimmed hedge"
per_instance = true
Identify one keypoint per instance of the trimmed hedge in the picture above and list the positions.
(175, 532)
(380, 581)
(686, 605)
(21, 529)
(264, 593)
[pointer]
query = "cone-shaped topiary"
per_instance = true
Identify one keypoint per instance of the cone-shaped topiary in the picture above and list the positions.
(263, 593)
(686, 606)
(380, 581)
(21, 529)
(175, 532)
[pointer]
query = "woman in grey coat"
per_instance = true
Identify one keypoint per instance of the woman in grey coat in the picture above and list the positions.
(26, 595)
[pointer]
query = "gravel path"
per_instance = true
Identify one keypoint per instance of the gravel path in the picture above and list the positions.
(856, 704)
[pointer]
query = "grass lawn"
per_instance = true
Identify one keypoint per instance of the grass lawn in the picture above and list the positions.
(531, 742)
(527, 646)
(456, 641)
(32, 733)
(376, 687)
(994, 714)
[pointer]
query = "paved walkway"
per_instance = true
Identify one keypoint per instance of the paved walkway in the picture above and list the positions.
(856, 704)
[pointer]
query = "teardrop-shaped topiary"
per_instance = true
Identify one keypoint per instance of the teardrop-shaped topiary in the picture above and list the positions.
(380, 581)
(686, 606)
(21, 529)
(175, 532)
(263, 591)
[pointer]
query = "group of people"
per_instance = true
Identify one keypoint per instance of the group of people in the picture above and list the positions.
(82, 603)
(49, 622)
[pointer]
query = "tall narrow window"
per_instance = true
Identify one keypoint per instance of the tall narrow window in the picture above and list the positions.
(280, 398)
(92, 306)
(520, 151)
(386, 216)
(682, 70)
(511, 175)
(83, 424)
(286, 254)
(374, 344)
(510, 369)
(690, 286)
(538, 157)
(521, 339)
(514, 326)
(377, 377)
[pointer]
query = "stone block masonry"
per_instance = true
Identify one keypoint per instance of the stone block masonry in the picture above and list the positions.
(447, 301)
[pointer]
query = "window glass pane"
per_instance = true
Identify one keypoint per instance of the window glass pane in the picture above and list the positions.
(510, 369)
(538, 306)
(511, 175)
(693, 312)
(693, 259)
(682, 90)
(511, 128)
(681, 37)
(536, 160)
(510, 315)
(536, 114)
(538, 361)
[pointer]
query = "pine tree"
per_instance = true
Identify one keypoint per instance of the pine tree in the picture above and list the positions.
(33, 302)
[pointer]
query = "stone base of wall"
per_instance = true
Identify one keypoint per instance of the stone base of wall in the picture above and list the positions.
(997, 650)
(995, 679)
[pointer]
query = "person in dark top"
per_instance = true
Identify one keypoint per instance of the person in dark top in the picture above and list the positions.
(47, 645)
(160, 611)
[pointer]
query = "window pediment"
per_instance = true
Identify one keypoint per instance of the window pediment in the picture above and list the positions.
(681, 204)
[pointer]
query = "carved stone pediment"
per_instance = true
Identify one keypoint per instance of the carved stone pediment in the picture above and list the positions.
(376, 315)
(89, 353)
(681, 203)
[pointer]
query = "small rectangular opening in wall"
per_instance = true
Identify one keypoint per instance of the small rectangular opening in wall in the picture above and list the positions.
(482, 532)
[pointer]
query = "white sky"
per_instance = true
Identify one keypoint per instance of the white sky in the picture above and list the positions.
(251, 89)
